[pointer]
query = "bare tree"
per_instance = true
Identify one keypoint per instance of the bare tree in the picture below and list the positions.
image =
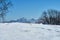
(51, 16)
(4, 6)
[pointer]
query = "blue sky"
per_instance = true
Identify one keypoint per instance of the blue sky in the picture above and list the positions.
(31, 8)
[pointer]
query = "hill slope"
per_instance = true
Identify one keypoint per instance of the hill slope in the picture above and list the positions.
(24, 31)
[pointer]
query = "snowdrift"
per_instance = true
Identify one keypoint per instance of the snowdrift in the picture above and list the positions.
(28, 31)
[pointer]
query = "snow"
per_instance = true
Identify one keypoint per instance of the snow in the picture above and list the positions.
(29, 31)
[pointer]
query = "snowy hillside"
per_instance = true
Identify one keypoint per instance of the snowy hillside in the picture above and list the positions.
(24, 31)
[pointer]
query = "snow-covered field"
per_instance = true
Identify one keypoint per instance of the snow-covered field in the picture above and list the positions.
(24, 31)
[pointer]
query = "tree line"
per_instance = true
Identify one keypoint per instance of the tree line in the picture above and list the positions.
(50, 17)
